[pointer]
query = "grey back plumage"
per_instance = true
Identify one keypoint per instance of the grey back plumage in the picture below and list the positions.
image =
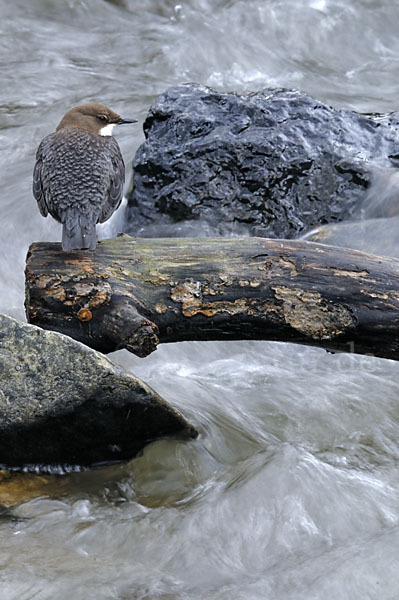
(78, 178)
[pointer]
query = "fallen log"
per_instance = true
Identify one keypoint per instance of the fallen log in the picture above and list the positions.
(135, 293)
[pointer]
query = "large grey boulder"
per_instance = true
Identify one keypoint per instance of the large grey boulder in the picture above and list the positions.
(63, 403)
(272, 163)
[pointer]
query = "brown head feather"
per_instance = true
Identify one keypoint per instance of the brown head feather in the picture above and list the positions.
(91, 117)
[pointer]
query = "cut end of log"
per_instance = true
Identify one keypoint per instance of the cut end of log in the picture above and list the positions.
(144, 340)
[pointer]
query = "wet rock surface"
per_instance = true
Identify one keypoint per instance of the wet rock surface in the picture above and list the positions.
(272, 163)
(63, 403)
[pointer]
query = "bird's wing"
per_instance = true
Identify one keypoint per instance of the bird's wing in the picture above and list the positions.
(117, 182)
(37, 183)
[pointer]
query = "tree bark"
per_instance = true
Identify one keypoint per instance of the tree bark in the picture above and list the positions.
(135, 293)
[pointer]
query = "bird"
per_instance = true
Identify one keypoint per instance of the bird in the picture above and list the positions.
(79, 173)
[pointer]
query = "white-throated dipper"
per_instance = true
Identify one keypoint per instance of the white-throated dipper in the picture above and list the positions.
(79, 173)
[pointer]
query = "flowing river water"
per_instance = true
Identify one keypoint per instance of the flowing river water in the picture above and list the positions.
(291, 490)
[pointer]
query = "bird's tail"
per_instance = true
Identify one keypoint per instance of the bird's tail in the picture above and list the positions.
(78, 232)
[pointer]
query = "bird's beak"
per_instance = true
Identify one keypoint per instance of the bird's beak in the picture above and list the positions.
(123, 121)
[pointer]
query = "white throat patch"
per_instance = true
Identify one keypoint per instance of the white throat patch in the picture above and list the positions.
(107, 130)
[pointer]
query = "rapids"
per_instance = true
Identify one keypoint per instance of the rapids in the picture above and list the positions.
(291, 490)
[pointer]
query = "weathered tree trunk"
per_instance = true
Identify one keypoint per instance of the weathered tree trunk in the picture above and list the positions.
(135, 293)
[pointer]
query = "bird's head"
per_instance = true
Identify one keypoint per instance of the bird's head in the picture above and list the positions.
(94, 118)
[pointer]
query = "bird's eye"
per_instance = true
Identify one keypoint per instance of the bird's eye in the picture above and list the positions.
(102, 118)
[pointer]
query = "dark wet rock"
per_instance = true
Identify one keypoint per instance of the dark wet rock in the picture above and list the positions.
(272, 163)
(63, 403)
(376, 224)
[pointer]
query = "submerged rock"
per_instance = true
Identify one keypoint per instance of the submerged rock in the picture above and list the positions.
(272, 163)
(63, 403)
